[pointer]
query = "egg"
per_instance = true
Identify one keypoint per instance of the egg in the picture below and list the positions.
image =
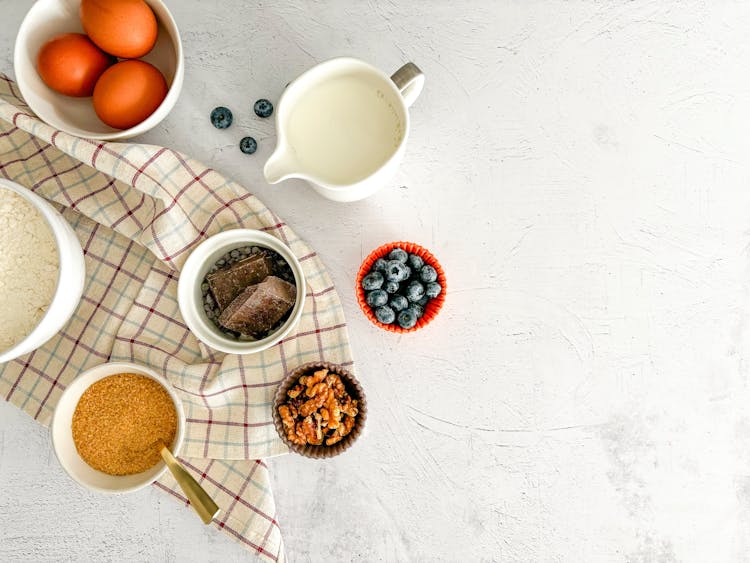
(71, 64)
(128, 92)
(124, 28)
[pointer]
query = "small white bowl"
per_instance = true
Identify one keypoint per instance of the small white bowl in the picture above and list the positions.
(48, 18)
(65, 448)
(196, 267)
(70, 278)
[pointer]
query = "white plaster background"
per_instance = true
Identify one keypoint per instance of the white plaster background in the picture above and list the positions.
(581, 170)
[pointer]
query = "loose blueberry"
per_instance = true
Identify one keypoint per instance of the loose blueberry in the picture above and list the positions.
(373, 280)
(248, 145)
(407, 318)
(399, 302)
(385, 314)
(427, 274)
(415, 262)
(399, 254)
(263, 108)
(377, 297)
(414, 291)
(417, 309)
(391, 287)
(423, 301)
(380, 265)
(221, 117)
(433, 290)
(397, 271)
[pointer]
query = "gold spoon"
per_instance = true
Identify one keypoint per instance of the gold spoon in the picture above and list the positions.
(203, 504)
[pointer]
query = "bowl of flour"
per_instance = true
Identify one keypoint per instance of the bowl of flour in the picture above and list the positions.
(41, 271)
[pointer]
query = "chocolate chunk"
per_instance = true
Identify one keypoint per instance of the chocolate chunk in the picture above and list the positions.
(229, 283)
(259, 307)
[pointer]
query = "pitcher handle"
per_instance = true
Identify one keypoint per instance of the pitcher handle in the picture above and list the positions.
(410, 81)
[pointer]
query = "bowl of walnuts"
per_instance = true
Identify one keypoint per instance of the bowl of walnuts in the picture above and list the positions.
(319, 410)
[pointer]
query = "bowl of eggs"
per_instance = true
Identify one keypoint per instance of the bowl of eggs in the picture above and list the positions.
(99, 69)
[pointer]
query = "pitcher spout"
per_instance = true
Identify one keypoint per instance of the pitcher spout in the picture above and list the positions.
(280, 166)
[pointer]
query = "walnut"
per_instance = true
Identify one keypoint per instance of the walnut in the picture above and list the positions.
(298, 437)
(313, 404)
(336, 437)
(317, 377)
(318, 429)
(295, 391)
(308, 429)
(333, 409)
(287, 419)
(316, 389)
(349, 407)
(348, 424)
(295, 437)
(335, 383)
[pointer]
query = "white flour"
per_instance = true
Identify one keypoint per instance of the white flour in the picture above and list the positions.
(28, 268)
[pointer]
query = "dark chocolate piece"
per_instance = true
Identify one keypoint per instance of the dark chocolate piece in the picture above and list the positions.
(259, 307)
(227, 284)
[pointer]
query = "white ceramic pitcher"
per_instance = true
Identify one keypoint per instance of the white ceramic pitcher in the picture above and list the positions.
(342, 126)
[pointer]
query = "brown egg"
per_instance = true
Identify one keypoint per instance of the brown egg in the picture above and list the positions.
(128, 92)
(71, 64)
(124, 28)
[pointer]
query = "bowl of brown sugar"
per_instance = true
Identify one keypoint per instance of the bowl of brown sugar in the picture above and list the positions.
(109, 424)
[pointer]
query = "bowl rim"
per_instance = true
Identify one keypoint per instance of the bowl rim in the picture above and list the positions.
(46, 210)
(351, 383)
(193, 314)
(170, 26)
(113, 368)
(433, 305)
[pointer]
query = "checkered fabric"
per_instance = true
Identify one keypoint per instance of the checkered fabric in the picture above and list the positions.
(138, 211)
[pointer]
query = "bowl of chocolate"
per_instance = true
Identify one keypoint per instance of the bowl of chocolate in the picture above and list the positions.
(241, 291)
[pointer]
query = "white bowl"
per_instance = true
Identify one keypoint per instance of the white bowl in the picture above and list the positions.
(65, 448)
(70, 278)
(48, 18)
(197, 266)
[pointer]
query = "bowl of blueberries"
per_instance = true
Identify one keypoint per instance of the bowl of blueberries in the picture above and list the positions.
(401, 287)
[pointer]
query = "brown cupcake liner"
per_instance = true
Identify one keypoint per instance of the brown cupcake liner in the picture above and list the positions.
(352, 387)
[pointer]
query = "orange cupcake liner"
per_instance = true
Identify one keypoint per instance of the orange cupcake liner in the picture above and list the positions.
(433, 305)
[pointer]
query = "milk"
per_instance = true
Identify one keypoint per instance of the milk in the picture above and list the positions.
(343, 129)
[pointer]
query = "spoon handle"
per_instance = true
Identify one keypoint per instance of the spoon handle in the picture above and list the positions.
(199, 499)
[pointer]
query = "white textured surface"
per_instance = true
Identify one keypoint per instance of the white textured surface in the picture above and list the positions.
(581, 171)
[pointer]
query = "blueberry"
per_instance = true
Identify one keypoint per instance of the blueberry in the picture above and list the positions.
(385, 314)
(415, 291)
(263, 108)
(380, 265)
(433, 290)
(377, 297)
(397, 271)
(423, 301)
(417, 309)
(392, 287)
(415, 262)
(248, 145)
(399, 254)
(427, 274)
(399, 302)
(221, 117)
(407, 318)
(373, 280)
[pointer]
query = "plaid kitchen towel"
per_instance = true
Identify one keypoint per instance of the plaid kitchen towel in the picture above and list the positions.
(138, 211)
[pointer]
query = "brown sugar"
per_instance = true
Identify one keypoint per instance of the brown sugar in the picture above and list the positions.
(119, 422)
